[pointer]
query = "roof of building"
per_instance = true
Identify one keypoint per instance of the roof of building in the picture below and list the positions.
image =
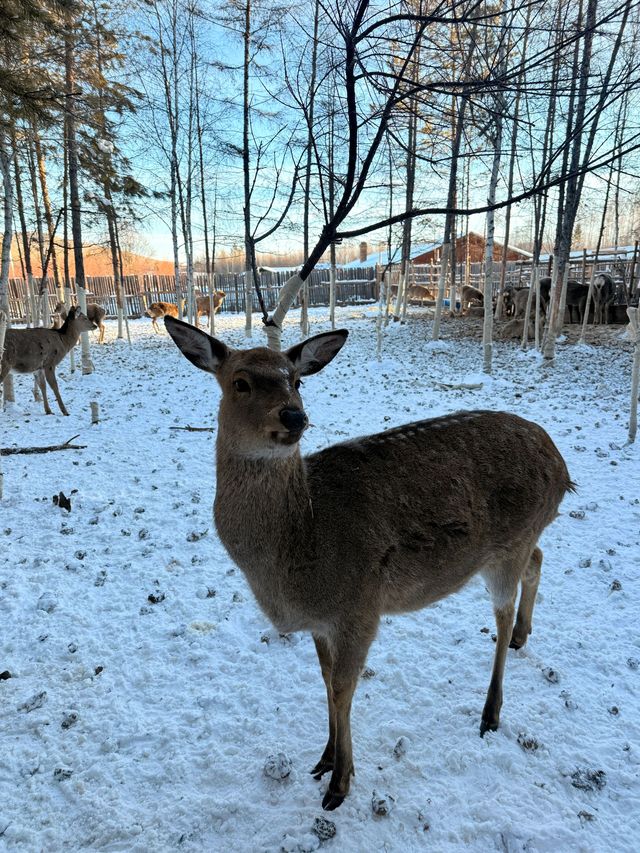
(610, 253)
(417, 249)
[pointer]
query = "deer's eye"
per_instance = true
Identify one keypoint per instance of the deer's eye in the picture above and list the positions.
(242, 386)
(297, 384)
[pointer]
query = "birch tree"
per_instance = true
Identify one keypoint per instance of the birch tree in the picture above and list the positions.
(7, 233)
(584, 132)
(74, 192)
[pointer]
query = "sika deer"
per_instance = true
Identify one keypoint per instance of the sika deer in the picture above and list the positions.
(40, 351)
(203, 305)
(161, 309)
(385, 523)
(95, 313)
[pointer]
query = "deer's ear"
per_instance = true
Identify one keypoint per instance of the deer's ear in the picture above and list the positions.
(201, 349)
(312, 355)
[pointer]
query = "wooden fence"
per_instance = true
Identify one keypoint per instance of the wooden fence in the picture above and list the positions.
(625, 273)
(353, 286)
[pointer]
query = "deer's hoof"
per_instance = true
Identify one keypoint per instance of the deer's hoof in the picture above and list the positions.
(331, 801)
(519, 637)
(488, 726)
(321, 768)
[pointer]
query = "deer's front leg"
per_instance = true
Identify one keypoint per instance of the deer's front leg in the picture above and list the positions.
(349, 656)
(326, 760)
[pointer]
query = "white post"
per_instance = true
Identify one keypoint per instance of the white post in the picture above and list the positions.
(635, 374)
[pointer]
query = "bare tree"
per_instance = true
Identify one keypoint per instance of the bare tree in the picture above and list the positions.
(584, 126)
(5, 262)
(74, 194)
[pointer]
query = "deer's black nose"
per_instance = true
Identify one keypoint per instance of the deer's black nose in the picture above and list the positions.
(294, 420)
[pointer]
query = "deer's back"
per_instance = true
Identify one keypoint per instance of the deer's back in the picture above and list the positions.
(96, 313)
(27, 350)
(421, 508)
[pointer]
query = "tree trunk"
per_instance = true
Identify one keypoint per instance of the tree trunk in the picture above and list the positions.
(304, 313)
(74, 194)
(487, 328)
(499, 107)
(5, 263)
(403, 284)
(48, 213)
(213, 285)
(576, 176)
(451, 194)
(65, 220)
(635, 374)
(40, 308)
(603, 220)
(26, 248)
(248, 247)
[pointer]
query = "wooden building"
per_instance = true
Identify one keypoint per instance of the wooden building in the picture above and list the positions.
(430, 253)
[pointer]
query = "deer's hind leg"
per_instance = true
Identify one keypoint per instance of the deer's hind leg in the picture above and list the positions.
(50, 376)
(502, 581)
(42, 385)
(529, 588)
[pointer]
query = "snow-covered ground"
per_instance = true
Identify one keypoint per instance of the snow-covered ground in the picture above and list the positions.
(147, 690)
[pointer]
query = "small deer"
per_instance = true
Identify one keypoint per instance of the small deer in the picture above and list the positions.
(203, 304)
(161, 309)
(40, 351)
(95, 313)
(385, 523)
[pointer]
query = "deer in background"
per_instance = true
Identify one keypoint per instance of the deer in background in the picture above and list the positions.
(95, 313)
(471, 296)
(162, 309)
(604, 292)
(203, 304)
(385, 523)
(40, 351)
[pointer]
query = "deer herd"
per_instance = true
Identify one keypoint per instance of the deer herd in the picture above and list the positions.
(381, 524)
(39, 350)
(514, 300)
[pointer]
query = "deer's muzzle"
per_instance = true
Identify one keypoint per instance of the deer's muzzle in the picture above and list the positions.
(294, 420)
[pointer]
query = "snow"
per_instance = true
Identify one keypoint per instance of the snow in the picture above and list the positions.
(148, 694)
(105, 146)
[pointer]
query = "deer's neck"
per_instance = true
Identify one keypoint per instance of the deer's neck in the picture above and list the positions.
(69, 337)
(264, 517)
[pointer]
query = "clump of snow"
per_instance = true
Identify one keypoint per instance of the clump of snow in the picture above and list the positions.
(278, 766)
(172, 706)
(105, 146)
(382, 804)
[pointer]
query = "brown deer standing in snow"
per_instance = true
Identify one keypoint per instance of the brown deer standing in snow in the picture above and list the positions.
(385, 523)
(40, 351)
(95, 313)
(162, 309)
(203, 304)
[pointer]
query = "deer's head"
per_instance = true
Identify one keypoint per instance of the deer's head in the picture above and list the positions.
(261, 411)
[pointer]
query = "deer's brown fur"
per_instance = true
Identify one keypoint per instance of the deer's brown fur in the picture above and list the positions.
(203, 304)
(95, 313)
(385, 523)
(161, 309)
(40, 351)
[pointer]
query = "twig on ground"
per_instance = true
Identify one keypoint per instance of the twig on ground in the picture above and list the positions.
(194, 429)
(11, 451)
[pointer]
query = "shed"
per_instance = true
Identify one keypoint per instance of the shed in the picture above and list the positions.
(429, 253)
